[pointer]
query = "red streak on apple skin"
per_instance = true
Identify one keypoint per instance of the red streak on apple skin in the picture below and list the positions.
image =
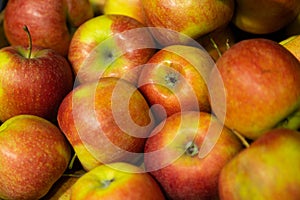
(31, 158)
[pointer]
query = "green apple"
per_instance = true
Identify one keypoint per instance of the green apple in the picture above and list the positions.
(34, 154)
(175, 78)
(33, 80)
(268, 169)
(131, 8)
(106, 121)
(110, 45)
(261, 82)
(191, 18)
(116, 181)
(51, 22)
(178, 158)
(263, 17)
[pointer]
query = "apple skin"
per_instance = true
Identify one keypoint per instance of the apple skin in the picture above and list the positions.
(34, 85)
(117, 181)
(34, 154)
(266, 170)
(262, 86)
(106, 121)
(292, 43)
(264, 17)
(181, 174)
(191, 18)
(175, 78)
(131, 8)
(110, 46)
(50, 22)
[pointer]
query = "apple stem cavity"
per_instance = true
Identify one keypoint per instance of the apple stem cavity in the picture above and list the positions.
(106, 183)
(25, 28)
(242, 139)
(191, 149)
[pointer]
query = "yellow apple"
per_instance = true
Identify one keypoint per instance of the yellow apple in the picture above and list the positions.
(293, 45)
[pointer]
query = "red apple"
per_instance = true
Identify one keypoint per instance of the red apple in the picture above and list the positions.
(106, 121)
(33, 81)
(186, 153)
(268, 169)
(110, 45)
(175, 78)
(116, 181)
(189, 18)
(34, 154)
(262, 86)
(51, 22)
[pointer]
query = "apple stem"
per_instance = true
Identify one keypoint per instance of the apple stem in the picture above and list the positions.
(215, 46)
(71, 164)
(242, 139)
(25, 28)
(191, 149)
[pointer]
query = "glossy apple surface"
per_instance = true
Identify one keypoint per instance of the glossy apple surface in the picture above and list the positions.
(178, 157)
(34, 154)
(262, 86)
(110, 46)
(191, 18)
(116, 181)
(106, 121)
(263, 17)
(32, 85)
(175, 78)
(51, 22)
(266, 170)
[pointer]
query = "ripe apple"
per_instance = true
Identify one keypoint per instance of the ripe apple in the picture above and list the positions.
(51, 22)
(191, 18)
(106, 121)
(268, 169)
(34, 154)
(33, 80)
(263, 17)
(117, 181)
(177, 157)
(292, 43)
(110, 45)
(131, 8)
(175, 78)
(262, 86)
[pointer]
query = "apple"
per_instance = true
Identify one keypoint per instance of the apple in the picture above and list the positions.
(264, 17)
(131, 8)
(292, 43)
(175, 79)
(218, 41)
(51, 22)
(110, 46)
(261, 82)
(186, 152)
(190, 18)
(118, 180)
(34, 80)
(34, 154)
(293, 28)
(106, 121)
(268, 169)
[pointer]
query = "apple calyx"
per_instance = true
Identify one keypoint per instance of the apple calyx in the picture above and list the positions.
(171, 79)
(25, 28)
(191, 149)
(106, 183)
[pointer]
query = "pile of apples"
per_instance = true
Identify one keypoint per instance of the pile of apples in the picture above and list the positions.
(150, 99)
